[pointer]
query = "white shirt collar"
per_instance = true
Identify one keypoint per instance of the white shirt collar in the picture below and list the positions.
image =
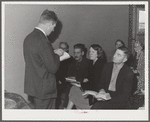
(118, 67)
(41, 30)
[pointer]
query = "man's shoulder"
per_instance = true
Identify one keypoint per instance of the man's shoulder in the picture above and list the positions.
(86, 60)
(32, 35)
(36, 37)
(68, 61)
(128, 69)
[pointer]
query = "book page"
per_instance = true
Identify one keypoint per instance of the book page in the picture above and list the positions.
(72, 80)
(105, 96)
(64, 56)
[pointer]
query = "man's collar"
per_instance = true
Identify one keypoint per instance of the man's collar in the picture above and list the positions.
(41, 30)
(80, 60)
(118, 66)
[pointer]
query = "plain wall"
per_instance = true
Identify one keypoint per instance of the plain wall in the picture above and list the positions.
(88, 24)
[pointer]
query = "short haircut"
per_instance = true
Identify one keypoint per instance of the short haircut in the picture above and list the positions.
(48, 16)
(119, 40)
(65, 43)
(80, 46)
(125, 50)
(67, 46)
(99, 49)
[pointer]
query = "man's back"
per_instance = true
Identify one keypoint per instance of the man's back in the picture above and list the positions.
(41, 65)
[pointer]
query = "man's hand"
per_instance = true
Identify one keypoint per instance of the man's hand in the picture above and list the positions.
(135, 71)
(85, 80)
(59, 52)
(75, 84)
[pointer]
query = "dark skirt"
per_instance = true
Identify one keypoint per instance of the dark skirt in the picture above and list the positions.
(78, 99)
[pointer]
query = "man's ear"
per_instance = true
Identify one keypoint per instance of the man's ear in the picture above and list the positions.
(125, 59)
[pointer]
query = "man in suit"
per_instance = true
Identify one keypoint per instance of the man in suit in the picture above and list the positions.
(63, 69)
(78, 68)
(117, 80)
(41, 63)
(61, 74)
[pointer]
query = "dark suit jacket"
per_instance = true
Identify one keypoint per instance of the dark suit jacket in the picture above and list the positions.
(61, 74)
(123, 84)
(41, 65)
(81, 72)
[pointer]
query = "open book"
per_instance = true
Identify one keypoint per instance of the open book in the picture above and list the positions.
(105, 96)
(64, 56)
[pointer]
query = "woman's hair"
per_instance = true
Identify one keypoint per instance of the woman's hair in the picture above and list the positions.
(99, 50)
(119, 40)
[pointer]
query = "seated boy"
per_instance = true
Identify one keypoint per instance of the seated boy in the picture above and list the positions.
(115, 84)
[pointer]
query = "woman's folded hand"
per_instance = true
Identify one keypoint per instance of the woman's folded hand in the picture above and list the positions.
(93, 93)
(75, 84)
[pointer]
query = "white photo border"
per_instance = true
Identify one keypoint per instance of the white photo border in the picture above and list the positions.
(77, 114)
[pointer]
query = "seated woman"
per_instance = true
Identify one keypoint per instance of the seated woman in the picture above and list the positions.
(98, 59)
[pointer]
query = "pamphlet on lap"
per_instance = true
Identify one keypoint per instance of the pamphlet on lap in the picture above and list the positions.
(72, 80)
(105, 96)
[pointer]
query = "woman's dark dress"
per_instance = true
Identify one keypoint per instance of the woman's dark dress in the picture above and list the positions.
(94, 75)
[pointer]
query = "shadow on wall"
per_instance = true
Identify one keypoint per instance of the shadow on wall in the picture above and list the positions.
(55, 34)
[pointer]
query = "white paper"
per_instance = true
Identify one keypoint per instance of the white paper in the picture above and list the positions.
(105, 96)
(64, 56)
(72, 80)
